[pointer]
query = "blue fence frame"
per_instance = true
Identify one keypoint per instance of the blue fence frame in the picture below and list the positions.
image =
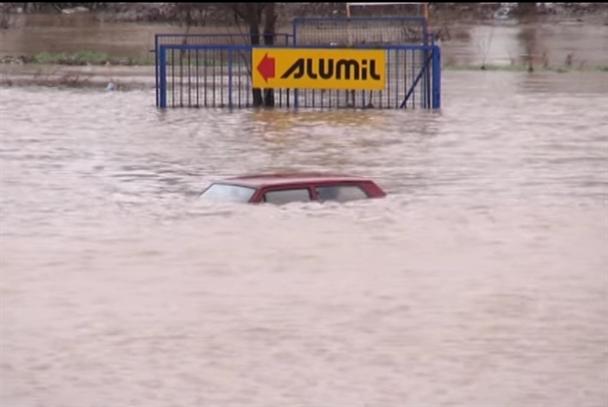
(413, 80)
(413, 69)
(280, 39)
(230, 51)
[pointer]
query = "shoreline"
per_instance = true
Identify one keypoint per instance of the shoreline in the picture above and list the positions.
(117, 77)
(91, 52)
(142, 77)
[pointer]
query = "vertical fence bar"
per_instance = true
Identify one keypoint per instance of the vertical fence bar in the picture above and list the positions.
(436, 77)
(205, 63)
(172, 77)
(156, 69)
(198, 80)
(414, 53)
(388, 77)
(397, 77)
(239, 76)
(221, 77)
(162, 88)
(213, 77)
(229, 78)
(405, 72)
(248, 86)
(428, 79)
(423, 82)
(422, 93)
(181, 78)
(189, 80)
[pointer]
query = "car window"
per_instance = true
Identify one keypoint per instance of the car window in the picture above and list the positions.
(227, 193)
(284, 196)
(340, 193)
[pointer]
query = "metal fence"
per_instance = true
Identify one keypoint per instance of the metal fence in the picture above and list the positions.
(197, 62)
(413, 80)
(360, 31)
(215, 70)
(208, 76)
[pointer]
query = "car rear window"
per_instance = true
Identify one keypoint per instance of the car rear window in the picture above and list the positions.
(284, 196)
(227, 193)
(340, 193)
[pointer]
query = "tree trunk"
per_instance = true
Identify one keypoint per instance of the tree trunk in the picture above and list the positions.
(269, 33)
(252, 18)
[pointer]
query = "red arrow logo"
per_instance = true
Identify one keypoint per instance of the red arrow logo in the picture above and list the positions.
(266, 67)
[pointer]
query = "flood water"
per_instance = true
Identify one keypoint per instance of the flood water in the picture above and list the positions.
(479, 281)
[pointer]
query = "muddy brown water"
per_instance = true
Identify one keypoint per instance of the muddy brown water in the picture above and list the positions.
(479, 281)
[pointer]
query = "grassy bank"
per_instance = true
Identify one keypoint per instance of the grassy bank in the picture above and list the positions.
(88, 58)
(103, 71)
(80, 58)
(526, 68)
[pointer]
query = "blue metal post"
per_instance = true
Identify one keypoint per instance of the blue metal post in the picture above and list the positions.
(424, 69)
(414, 57)
(436, 77)
(156, 67)
(427, 82)
(162, 90)
(230, 78)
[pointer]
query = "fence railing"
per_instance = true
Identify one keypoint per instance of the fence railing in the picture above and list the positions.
(215, 70)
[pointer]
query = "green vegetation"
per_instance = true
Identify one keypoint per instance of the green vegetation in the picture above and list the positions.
(486, 67)
(102, 58)
(525, 68)
(89, 58)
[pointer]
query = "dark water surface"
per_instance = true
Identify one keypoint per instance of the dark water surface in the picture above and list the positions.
(480, 281)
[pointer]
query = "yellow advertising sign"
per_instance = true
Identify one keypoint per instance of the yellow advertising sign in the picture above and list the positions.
(318, 68)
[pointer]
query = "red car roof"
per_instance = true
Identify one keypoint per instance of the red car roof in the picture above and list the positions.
(259, 180)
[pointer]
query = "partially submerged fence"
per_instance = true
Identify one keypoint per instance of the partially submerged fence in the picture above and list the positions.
(203, 71)
(324, 63)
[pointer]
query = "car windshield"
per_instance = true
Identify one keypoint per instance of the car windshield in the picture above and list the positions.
(227, 193)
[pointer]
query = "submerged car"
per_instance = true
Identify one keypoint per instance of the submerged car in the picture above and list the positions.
(293, 187)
